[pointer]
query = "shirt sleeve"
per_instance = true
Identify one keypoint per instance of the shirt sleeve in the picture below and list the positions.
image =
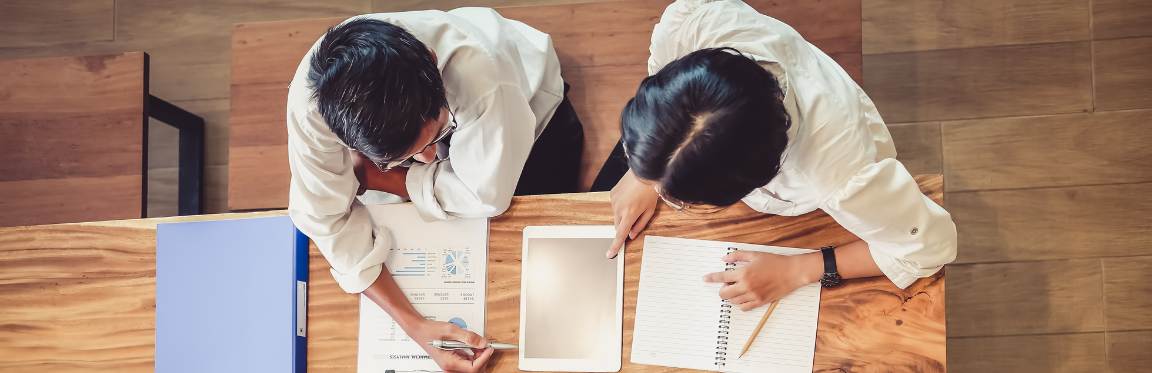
(908, 234)
(485, 158)
(690, 25)
(322, 203)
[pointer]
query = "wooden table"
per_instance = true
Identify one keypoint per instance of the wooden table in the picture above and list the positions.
(81, 297)
(603, 51)
(74, 140)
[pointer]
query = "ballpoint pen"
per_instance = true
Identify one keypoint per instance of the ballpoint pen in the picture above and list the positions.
(457, 345)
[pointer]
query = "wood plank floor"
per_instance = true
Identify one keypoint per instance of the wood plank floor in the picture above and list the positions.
(1036, 111)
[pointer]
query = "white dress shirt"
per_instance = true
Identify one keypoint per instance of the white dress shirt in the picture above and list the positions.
(503, 84)
(840, 157)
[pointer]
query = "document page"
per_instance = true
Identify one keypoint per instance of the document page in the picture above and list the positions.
(442, 268)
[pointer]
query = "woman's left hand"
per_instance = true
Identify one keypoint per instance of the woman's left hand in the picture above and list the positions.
(766, 278)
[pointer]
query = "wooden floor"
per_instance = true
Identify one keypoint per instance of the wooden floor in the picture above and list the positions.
(1038, 113)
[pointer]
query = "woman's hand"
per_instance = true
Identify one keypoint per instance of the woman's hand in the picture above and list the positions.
(766, 278)
(452, 361)
(633, 205)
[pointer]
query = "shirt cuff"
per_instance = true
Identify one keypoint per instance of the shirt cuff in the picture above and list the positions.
(422, 191)
(895, 269)
(355, 283)
(367, 268)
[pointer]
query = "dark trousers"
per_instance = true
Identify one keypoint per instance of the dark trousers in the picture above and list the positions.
(553, 166)
(612, 171)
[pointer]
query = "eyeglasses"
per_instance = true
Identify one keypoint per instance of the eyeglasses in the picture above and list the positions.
(681, 206)
(448, 129)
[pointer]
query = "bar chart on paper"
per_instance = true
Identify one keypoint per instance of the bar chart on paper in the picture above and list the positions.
(437, 276)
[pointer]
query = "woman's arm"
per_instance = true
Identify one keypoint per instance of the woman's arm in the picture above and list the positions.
(769, 277)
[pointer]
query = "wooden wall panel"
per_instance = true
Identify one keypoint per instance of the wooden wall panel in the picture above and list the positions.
(42, 23)
(1046, 151)
(192, 38)
(1053, 223)
(1001, 299)
(264, 60)
(381, 6)
(1124, 74)
(601, 94)
(267, 184)
(1121, 18)
(1126, 290)
(918, 147)
(980, 82)
(1080, 352)
(1128, 351)
(72, 130)
(162, 190)
(904, 26)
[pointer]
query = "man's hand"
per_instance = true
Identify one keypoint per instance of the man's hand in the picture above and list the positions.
(633, 205)
(766, 278)
(452, 361)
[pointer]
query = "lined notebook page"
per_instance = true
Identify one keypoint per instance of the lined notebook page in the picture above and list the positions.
(678, 314)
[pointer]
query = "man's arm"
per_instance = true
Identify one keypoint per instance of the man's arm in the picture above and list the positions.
(323, 205)
(386, 294)
(485, 159)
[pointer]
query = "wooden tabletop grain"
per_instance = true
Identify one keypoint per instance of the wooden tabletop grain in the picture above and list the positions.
(81, 297)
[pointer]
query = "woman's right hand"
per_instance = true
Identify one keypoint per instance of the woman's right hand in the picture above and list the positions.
(633, 205)
(452, 361)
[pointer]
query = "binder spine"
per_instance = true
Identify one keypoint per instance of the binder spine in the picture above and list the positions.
(300, 297)
(724, 326)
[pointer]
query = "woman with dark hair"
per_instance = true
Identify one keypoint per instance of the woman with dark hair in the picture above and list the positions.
(740, 107)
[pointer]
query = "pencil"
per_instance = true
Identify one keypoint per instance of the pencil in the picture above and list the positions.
(763, 319)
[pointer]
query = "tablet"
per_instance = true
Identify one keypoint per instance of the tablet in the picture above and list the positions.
(571, 300)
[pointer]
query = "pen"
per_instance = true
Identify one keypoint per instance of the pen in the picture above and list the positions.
(457, 345)
(756, 332)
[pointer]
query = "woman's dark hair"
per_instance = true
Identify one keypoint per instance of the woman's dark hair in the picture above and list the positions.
(376, 85)
(709, 127)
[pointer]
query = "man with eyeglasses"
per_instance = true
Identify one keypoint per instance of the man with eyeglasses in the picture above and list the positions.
(456, 111)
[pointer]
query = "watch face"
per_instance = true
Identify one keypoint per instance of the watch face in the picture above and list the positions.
(830, 280)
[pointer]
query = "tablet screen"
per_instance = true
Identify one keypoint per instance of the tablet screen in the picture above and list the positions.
(570, 299)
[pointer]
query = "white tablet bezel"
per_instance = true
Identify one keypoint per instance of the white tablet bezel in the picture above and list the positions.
(573, 365)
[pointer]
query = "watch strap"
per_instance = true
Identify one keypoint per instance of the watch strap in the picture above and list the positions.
(829, 253)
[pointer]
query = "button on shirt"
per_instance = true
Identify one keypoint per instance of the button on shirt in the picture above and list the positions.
(840, 157)
(502, 80)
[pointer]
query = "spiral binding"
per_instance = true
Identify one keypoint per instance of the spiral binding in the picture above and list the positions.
(724, 326)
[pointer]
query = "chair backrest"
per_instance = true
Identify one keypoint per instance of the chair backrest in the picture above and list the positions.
(72, 138)
(603, 49)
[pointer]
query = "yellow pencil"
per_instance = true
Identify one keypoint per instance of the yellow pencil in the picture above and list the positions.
(763, 319)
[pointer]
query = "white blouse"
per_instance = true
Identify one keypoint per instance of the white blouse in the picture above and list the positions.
(503, 84)
(840, 157)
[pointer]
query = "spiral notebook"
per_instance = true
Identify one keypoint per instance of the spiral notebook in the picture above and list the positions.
(682, 322)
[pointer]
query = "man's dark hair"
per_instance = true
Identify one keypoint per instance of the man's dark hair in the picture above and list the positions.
(376, 85)
(710, 127)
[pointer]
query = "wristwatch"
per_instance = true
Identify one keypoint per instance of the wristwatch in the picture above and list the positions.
(831, 277)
